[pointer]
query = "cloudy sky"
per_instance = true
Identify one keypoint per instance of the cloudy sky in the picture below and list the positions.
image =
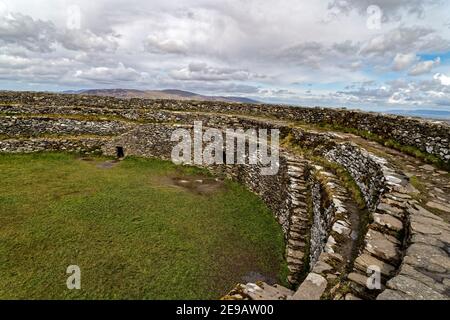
(374, 54)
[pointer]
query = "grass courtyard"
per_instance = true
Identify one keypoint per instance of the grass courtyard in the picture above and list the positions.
(133, 229)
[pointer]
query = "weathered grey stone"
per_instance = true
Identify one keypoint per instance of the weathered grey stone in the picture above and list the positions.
(428, 167)
(296, 244)
(439, 206)
(283, 290)
(294, 261)
(427, 257)
(364, 261)
(411, 272)
(389, 294)
(418, 210)
(388, 221)
(262, 292)
(398, 196)
(321, 267)
(341, 227)
(358, 278)
(414, 288)
(350, 296)
(312, 288)
(397, 212)
(329, 246)
(428, 239)
(425, 225)
(296, 254)
(382, 246)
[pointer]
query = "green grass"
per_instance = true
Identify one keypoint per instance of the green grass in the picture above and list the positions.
(133, 234)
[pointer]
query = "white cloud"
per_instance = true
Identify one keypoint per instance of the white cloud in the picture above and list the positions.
(406, 39)
(266, 48)
(403, 61)
(34, 35)
(156, 44)
(86, 40)
(119, 73)
(424, 67)
(200, 71)
(442, 78)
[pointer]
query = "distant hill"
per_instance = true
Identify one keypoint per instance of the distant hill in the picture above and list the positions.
(427, 114)
(159, 94)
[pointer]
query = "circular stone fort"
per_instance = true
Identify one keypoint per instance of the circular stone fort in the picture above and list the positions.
(362, 199)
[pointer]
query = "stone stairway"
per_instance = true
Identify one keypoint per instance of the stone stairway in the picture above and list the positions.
(334, 238)
(299, 220)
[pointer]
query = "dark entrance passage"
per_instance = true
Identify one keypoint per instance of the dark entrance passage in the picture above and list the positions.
(119, 152)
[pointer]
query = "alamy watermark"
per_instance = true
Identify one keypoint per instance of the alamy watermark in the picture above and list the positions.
(73, 21)
(374, 17)
(74, 280)
(373, 277)
(238, 146)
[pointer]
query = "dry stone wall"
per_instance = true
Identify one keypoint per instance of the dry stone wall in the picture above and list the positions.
(310, 203)
(79, 145)
(30, 127)
(430, 137)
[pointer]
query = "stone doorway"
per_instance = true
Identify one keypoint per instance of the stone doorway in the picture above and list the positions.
(120, 153)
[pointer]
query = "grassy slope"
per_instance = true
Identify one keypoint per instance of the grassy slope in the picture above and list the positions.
(133, 235)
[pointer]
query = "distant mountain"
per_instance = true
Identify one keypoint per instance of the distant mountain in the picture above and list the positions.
(159, 94)
(428, 114)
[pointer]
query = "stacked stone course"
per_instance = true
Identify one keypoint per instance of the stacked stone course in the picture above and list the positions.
(314, 209)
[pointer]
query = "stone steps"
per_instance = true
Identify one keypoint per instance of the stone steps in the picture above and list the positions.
(340, 226)
(383, 247)
(298, 221)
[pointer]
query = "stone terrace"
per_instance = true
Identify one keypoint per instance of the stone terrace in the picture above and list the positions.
(346, 205)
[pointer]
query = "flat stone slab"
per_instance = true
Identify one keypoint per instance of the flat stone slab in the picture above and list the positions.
(263, 291)
(350, 296)
(383, 246)
(427, 167)
(283, 290)
(295, 254)
(390, 209)
(312, 288)
(427, 257)
(321, 267)
(426, 278)
(428, 225)
(358, 278)
(389, 294)
(416, 289)
(364, 261)
(439, 206)
(418, 210)
(341, 227)
(431, 239)
(388, 221)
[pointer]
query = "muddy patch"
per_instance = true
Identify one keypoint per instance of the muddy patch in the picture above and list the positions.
(198, 184)
(108, 164)
(253, 277)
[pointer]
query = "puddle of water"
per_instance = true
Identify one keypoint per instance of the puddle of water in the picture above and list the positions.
(108, 164)
(200, 185)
